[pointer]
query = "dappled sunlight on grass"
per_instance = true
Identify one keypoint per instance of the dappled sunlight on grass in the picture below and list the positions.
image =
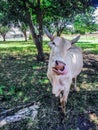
(89, 86)
(23, 79)
(94, 118)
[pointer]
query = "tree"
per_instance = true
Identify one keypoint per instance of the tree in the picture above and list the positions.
(63, 13)
(3, 31)
(84, 22)
(29, 12)
(57, 25)
(3, 13)
(4, 28)
(37, 13)
(23, 27)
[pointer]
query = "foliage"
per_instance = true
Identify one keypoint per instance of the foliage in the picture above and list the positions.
(24, 27)
(41, 13)
(4, 19)
(3, 31)
(63, 13)
(85, 22)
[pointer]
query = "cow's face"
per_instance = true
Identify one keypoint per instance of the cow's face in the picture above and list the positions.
(59, 48)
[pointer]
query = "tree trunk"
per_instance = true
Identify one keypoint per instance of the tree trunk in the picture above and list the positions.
(59, 31)
(25, 35)
(40, 30)
(37, 41)
(3, 35)
(37, 38)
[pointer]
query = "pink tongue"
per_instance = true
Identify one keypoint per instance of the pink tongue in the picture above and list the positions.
(60, 72)
(65, 71)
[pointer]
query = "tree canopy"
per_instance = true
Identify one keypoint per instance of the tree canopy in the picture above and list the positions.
(84, 23)
(54, 14)
(4, 20)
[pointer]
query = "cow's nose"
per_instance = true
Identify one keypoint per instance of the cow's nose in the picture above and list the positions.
(59, 65)
(56, 62)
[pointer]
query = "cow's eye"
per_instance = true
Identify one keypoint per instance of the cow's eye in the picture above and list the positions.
(53, 43)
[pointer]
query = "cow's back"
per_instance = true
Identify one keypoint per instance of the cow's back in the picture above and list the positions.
(74, 60)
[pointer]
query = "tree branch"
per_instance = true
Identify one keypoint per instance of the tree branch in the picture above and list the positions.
(26, 111)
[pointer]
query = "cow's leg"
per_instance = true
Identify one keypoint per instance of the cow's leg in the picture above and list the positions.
(75, 86)
(63, 97)
(63, 104)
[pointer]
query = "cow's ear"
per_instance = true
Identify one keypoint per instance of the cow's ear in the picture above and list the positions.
(75, 39)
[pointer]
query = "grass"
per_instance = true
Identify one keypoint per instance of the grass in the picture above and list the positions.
(22, 47)
(23, 80)
(89, 47)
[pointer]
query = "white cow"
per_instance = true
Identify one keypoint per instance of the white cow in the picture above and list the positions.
(65, 63)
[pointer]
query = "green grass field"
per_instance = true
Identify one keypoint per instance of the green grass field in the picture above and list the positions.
(21, 47)
(23, 79)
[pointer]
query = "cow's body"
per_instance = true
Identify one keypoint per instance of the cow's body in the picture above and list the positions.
(65, 63)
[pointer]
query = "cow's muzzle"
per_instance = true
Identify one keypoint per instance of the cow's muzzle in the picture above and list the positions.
(60, 68)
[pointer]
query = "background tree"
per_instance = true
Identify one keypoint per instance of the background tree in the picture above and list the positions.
(3, 12)
(3, 31)
(56, 25)
(4, 22)
(63, 13)
(23, 27)
(84, 23)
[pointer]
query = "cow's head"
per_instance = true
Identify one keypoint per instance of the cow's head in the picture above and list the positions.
(59, 49)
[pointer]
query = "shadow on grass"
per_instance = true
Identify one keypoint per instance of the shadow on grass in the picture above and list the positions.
(28, 78)
(80, 108)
